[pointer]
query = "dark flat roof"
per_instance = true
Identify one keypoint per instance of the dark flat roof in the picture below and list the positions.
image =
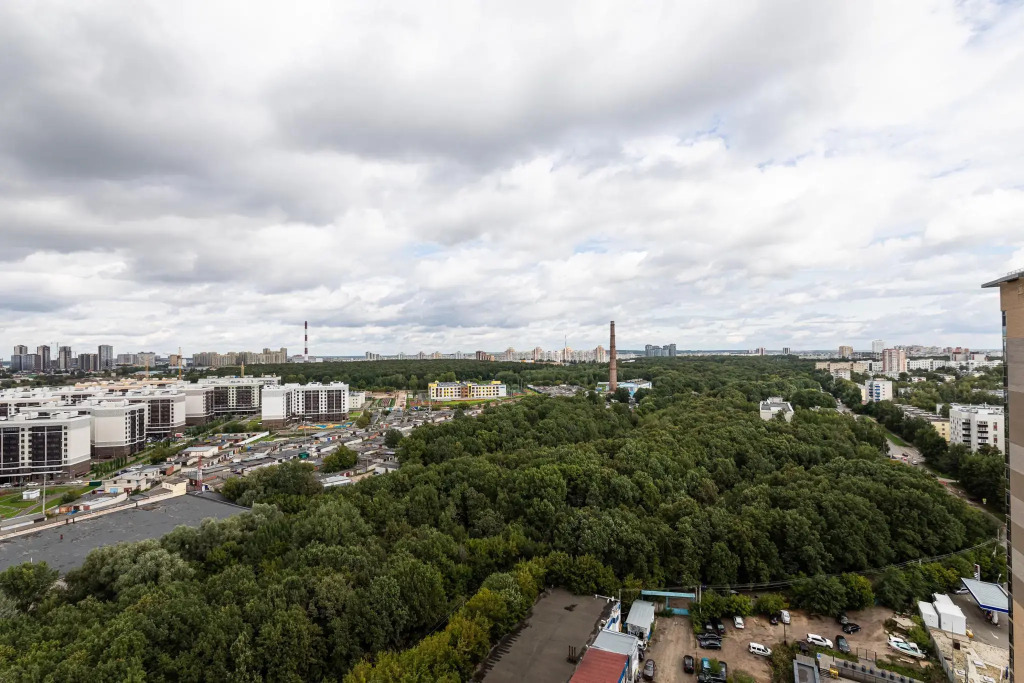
(150, 520)
(1009, 277)
(537, 651)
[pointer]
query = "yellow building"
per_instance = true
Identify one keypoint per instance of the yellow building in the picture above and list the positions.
(459, 391)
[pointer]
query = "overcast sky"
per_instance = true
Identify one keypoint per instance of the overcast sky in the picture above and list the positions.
(439, 176)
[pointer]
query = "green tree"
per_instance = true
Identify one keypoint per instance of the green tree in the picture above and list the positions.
(341, 458)
(858, 591)
(27, 583)
(820, 595)
(770, 603)
(392, 438)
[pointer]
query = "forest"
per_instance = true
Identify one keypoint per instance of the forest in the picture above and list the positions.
(412, 576)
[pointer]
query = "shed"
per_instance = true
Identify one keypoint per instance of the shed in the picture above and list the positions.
(640, 621)
(623, 644)
(599, 666)
(30, 494)
(928, 613)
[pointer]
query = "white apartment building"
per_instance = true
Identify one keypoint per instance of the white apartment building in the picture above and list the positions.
(356, 399)
(237, 395)
(117, 428)
(38, 445)
(198, 404)
(977, 425)
(841, 373)
(877, 390)
(894, 360)
(877, 346)
(314, 402)
(165, 409)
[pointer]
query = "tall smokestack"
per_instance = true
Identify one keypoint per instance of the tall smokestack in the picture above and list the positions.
(613, 379)
(306, 349)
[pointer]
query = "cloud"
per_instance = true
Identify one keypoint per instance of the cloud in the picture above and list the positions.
(482, 176)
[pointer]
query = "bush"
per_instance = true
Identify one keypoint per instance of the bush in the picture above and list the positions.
(820, 595)
(770, 603)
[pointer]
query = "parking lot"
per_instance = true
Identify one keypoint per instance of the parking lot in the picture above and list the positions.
(673, 638)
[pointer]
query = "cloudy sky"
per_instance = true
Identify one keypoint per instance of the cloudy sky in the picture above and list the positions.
(459, 175)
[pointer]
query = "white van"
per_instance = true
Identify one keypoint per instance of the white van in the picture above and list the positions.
(759, 649)
(784, 615)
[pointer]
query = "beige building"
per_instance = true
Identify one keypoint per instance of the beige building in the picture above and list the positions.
(846, 352)
(1011, 295)
(894, 361)
(454, 391)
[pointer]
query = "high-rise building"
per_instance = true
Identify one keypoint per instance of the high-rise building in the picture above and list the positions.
(1011, 295)
(43, 358)
(671, 350)
(64, 358)
(877, 346)
(894, 360)
(106, 354)
(785, 350)
(20, 350)
(846, 352)
(89, 362)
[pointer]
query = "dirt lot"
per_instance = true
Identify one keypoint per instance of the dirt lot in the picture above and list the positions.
(673, 638)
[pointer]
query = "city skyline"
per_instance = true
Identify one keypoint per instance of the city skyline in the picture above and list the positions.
(215, 188)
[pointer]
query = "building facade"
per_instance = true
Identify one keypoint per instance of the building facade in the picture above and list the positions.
(977, 426)
(894, 360)
(117, 429)
(457, 391)
(105, 352)
(312, 402)
(237, 395)
(877, 346)
(44, 445)
(846, 352)
(877, 390)
(1011, 297)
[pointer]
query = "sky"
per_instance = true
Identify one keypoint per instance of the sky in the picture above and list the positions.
(413, 176)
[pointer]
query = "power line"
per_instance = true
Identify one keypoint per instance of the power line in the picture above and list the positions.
(789, 582)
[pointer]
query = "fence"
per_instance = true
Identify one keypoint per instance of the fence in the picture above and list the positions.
(865, 672)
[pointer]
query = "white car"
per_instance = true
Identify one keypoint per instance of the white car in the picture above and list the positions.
(737, 621)
(759, 649)
(815, 639)
(784, 615)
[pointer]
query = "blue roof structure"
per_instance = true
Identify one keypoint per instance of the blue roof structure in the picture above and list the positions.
(990, 596)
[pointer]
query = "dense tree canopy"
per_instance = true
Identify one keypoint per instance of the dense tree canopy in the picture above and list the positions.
(412, 575)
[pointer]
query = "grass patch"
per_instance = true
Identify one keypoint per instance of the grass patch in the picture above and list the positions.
(896, 440)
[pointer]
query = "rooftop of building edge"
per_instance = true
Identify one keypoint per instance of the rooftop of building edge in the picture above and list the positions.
(1009, 277)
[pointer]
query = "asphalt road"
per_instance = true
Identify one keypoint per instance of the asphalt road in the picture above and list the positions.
(152, 521)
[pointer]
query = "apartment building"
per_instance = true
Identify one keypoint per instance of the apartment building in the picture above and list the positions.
(44, 445)
(314, 402)
(165, 409)
(846, 352)
(877, 390)
(237, 395)
(841, 373)
(939, 423)
(198, 404)
(894, 361)
(852, 366)
(1011, 297)
(456, 391)
(117, 429)
(105, 352)
(976, 426)
(775, 405)
(877, 346)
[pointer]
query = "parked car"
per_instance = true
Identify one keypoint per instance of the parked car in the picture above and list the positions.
(842, 618)
(709, 627)
(737, 621)
(842, 645)
(719, 626)
(815, 639)
(649, 670)
(759, 649)
(723, 672)
(784, 615)
(850, 627)
(961, 590)
(774, 620)
(688, 664)
(710, 643)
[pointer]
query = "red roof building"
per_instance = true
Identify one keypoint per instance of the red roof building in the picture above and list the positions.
(599, 666)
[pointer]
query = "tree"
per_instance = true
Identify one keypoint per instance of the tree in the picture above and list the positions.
(858, 591)
(770, 603)
(392, 438)
(820, 595)
(341, 458)
(27, 583)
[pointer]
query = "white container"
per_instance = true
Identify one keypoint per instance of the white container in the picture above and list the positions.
(928, 613)
(951, 618)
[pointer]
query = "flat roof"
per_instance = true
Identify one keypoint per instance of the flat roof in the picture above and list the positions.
(641, 613)
(1009, 277)
(613, 641)
(537, 650)
(990, 596)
